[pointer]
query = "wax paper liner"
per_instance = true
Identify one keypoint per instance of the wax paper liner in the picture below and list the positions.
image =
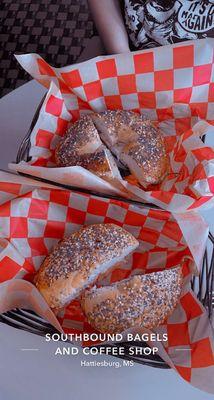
(172, 85)
(34, 218)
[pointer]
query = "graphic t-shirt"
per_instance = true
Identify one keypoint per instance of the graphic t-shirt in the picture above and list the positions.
(152, 23)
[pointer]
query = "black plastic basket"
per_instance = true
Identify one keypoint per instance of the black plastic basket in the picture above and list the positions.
(202, 285)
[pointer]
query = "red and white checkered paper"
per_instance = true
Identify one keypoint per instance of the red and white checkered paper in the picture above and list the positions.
(34, 218)
(172, 85)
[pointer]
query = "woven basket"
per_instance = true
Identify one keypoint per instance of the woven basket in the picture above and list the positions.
(202, 285)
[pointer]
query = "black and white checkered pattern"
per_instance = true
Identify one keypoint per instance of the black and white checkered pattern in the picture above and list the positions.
(56, 29)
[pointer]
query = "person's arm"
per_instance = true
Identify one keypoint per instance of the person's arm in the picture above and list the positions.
(110, 25)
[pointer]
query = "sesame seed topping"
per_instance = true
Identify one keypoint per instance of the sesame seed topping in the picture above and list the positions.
(131, 136)
(81, 139)
(86, 249)
(144, 300)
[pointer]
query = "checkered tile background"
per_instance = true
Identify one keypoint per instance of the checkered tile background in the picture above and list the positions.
(172, 85)
(56, 29)
(34, 219)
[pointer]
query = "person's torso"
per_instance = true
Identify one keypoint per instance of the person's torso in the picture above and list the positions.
(152, 23)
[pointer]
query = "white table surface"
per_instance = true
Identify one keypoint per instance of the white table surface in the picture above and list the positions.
(40, 374)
